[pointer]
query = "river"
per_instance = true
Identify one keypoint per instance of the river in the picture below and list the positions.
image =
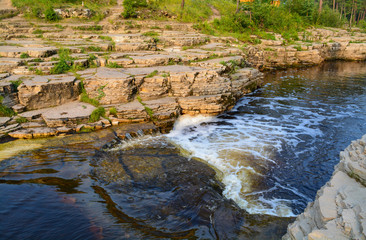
(241, 175)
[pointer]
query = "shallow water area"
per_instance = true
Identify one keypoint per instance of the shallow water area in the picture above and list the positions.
(240, 175)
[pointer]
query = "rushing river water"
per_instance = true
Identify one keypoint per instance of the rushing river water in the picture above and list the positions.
(270, 155)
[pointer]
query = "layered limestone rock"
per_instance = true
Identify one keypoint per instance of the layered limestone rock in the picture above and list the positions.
(36, 92)
(317, 46)
(339, 210)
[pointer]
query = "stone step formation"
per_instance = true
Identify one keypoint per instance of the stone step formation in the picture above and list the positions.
(138, 72)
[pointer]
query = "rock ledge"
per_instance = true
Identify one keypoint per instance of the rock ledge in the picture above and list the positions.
(339, 210)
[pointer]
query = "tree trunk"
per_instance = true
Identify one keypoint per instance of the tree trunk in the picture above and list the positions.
(237, 6)
(334, 3)
(352, 10)
(320, 5)
(341, 15)
(182, 5)
(358, 17)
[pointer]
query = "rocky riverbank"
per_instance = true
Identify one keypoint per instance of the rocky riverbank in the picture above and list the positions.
(138, 71)
(339, 210)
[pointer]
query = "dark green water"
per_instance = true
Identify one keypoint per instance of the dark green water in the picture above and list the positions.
(271, 154)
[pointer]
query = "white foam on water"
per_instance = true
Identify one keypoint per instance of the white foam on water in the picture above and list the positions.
(244, 146)
(225, 147)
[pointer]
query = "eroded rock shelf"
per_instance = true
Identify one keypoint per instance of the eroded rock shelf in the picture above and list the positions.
(339, 210)
(139, 71)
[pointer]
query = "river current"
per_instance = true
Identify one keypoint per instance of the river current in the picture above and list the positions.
(270, 154)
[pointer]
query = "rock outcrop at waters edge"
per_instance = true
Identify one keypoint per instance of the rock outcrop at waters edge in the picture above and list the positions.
(314, 47)
(339, 210)
(141, 70)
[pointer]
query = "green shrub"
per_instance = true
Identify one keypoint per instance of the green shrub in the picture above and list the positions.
(37, 31)
(64, 64)
(113, 65)
(24, 55)
(152, 74)
(329, 18)
(4, 110)
(51, 15)
(168, 27)
(130, 7)
(94, 49)
(21, 120)
(15, 84)
(113, 111)
(39, 72)
(150, 34)
(96, 114)
(84, 97)
(61, 67)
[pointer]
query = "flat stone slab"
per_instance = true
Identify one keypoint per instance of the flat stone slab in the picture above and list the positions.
(34, 133)
(37, 52)
(33, 114)
(132, 112)
(9, 128)
(33, 125)
(4, 120)
(169, 69)
(67, 114)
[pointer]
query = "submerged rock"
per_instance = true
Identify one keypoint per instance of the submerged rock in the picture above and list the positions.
(167, 195)
(170, 193)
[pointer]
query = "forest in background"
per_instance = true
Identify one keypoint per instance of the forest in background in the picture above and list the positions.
(226, 17)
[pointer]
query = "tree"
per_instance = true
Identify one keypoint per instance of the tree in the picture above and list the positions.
(320, 5)
(182, 4)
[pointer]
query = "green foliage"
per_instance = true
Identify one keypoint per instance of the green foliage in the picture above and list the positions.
(51, 15)
(84, 97)
(94, 49)
(130, 7)
(61, 67)
(59, 26)
(150, 34)
(96, 114)
(37, 60)
(8, 14)
(64, 64)
(328, 18)
(39, 72)
(24, 55)
(89, 28)
(113, 111)
(113, 65)
(148, 110)
(36, 8)
(298, 48)
(152, 74)
(108, 38)
(168, 27)
(4, 110)
(37, 31)
(15, 84)
(100, 92)
(21, 120)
